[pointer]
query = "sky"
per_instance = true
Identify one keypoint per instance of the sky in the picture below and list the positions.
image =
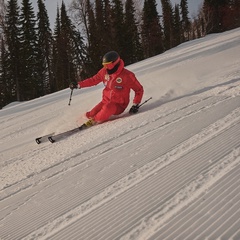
(171, 171)
(51, 6)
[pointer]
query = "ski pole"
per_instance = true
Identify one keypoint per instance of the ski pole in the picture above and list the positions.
(144, 102)
(70, 99)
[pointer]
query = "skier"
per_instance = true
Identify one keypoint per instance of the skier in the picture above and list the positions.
(118, 82)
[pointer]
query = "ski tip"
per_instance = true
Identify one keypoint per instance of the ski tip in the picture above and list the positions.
(38, 141)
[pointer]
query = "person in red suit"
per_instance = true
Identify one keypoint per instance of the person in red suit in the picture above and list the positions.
(118, 82)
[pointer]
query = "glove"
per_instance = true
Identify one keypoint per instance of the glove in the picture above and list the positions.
(134, 109)
(73, 85)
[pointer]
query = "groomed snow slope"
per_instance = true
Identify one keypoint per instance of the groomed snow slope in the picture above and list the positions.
(172, 171)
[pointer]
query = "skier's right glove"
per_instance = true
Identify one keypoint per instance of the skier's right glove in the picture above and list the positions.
(134, 109)
(73, 85)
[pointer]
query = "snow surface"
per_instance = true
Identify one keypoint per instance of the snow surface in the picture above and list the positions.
(172, 171)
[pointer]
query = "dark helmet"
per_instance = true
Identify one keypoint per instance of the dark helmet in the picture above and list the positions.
(110, 57)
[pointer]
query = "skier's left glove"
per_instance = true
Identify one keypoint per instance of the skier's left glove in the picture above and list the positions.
(134, 109)
(73, 85)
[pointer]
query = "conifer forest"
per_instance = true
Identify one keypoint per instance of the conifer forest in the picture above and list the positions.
(36, 60)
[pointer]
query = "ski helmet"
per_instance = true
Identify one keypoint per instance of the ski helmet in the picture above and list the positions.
(110, 59)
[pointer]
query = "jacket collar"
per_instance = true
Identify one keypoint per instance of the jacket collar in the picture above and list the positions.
(117, 69)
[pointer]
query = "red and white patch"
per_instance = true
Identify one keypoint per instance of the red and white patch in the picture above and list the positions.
(118, 80)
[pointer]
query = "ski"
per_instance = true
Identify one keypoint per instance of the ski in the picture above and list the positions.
(56, 137)
(52, 137)
(43, 138)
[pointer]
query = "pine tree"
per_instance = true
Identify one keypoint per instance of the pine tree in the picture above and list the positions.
(214, 15)
(62, 61)
(2, 16)
(99, 41)
(118, 28)
(28, 50)
(236, 5)
(186, 24)
(68, 52)
(100, 21)
(167, 23)
(71, 40)
(12, 45)
(177, 30)
(133, 48)
(5, 85)
(108, 26)
(98, 26)
(152, 40)
(56, 66)
(93, 63)
(81, 56)
(101, 32)
(44, 54)
(230, 15)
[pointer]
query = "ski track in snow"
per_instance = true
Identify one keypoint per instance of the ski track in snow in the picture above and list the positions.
(169, 172)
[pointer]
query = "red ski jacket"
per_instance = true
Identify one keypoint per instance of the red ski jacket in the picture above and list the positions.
(117, 85)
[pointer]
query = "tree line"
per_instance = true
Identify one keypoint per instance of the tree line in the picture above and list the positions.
(35, 60)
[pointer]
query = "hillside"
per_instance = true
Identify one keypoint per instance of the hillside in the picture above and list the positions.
(172, 171)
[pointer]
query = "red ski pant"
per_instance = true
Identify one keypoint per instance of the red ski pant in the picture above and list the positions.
(103, 111)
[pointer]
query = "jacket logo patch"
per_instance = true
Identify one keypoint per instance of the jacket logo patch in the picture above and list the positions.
(118, 87)
(119, 80)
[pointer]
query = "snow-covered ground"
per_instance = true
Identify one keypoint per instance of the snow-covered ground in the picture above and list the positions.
(172, 171)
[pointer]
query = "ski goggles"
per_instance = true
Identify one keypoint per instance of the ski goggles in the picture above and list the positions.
(110, 65)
